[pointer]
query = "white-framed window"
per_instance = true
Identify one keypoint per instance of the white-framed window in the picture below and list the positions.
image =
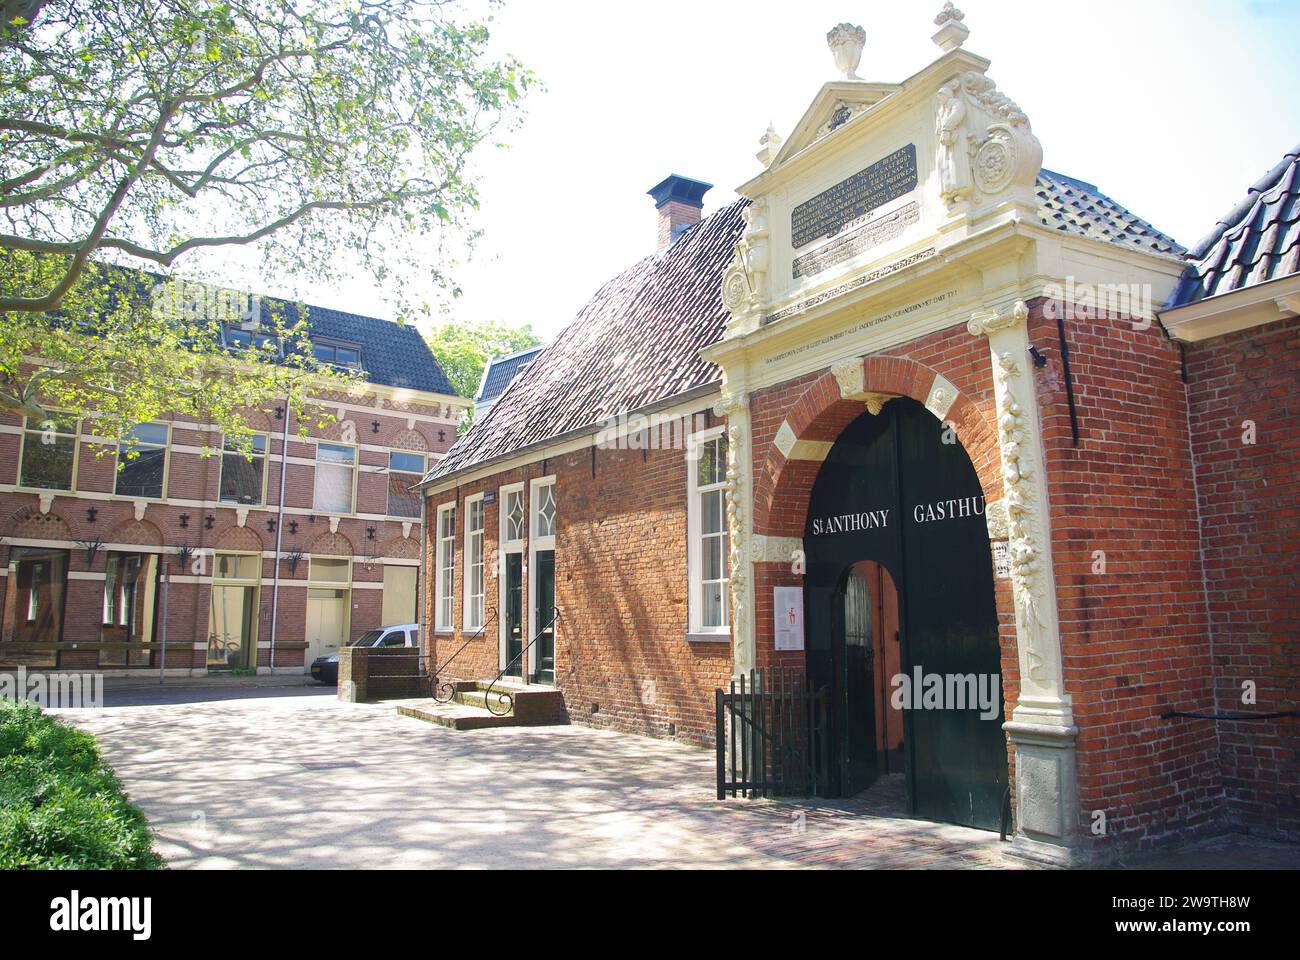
(475, 572)
(445, 567)
(514, 527)
(405, 470)
(336, 477)
(544, 506)
(49, 456)
(710, 541)
(243, 476)
(143, 474)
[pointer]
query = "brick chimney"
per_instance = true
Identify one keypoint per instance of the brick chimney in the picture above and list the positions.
(679, 201)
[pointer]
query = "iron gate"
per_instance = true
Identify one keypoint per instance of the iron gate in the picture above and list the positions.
(770, 732)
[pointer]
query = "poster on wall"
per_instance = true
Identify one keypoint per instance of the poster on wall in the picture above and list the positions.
(788, 608)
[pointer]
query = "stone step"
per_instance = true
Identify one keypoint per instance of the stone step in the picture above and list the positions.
(478, 698)
(455, 716)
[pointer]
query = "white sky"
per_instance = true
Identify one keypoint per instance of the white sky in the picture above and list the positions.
(1171, 108)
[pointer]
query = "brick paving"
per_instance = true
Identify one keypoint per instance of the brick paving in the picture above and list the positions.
(295, 779)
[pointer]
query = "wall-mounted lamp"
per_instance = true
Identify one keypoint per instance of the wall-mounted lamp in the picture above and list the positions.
(1040, 358)
(92, 547)
(293, 558)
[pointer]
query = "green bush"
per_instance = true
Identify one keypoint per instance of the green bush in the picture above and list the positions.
(60, 805)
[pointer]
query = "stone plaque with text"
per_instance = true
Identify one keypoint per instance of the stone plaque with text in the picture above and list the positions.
(850, 200)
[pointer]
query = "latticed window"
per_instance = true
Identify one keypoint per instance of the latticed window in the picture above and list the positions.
(405, 470)
(544, 511)
(513, 530)
(242, 474)
(710, 539)
(446, 560)
(474, 571)
(49, 453)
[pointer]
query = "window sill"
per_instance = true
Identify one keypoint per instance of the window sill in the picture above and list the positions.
(708, 637)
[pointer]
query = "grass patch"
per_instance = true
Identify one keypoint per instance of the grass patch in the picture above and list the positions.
(61, 807)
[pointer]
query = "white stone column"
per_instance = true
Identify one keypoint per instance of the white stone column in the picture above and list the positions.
(744, 643)
(1041, 725)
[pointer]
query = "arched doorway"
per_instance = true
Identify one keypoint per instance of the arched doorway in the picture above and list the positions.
(896, 542)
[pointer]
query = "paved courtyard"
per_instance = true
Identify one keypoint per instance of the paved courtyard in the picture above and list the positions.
(291, 778)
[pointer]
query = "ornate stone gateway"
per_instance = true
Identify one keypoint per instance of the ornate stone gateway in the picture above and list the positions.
(898, 491)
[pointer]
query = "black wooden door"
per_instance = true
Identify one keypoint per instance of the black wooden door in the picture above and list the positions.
(899, 490)
(514, 619)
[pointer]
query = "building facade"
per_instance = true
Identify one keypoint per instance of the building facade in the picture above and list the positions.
(190, 558)
(906, 411)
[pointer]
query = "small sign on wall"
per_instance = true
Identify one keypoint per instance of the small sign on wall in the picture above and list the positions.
(788, 609)
(1001, 560)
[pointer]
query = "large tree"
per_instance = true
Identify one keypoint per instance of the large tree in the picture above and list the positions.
(141, 132)
(464, 348)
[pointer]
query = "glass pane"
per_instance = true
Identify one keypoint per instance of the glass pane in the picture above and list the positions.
(56, 422)
(711, 604)
(546, 510)
(447, 522)
(333, 488)
(233, 566)
(152, 433)
(476, 516)
(406, 462)
(142, 476)
(241, 478)
(47, 461)
(711, 513)
(257, 441)
(711, 558)
(403, 501)
(323, 352)
(515, 516)
(347, 355)
(329, 571)
(331, 453)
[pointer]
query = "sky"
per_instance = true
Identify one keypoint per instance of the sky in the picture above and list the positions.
(1171, 108)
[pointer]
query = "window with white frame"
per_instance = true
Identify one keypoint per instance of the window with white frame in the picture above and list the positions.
(544, 509)
(405, 470)
(513, 527)
(710, 540)
(445, 573)
(336, 470)
(474, 566)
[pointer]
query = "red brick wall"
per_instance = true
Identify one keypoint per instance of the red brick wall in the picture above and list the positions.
(1250, 516)
(192, 491)
(623, 659)
(1134, 636)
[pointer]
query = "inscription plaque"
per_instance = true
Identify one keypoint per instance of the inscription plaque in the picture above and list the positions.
(858, 240)
(832, 210)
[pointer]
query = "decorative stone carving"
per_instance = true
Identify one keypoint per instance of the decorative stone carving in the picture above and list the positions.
(952, 32)
(735, 407)
(735, 286)
(995, 516)
(140, 507)
(851, 377)
(950, 132)
(755, 255)
(775, 549)
(769, 145)
(942, 396)
(847, 42)
(876, 402)
(334, 524)
(1008, 155)
(47, 502)
(241, 516)
(1019, 483)
(842, 114)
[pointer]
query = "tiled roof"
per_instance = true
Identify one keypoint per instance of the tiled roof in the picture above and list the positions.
(637, 342)
(392, 354)
(1079, 208)
(500, 371)
(1258, 241)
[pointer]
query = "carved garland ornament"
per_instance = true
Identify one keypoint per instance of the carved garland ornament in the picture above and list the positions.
(1018, 483)
(736, 409)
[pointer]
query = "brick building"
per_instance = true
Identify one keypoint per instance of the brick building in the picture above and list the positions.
(97, 557)
(905, 409)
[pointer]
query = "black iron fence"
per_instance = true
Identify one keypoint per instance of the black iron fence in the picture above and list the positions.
(771, 735)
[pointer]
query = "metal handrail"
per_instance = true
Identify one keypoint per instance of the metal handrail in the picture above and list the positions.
(507, 698)
(435, 688)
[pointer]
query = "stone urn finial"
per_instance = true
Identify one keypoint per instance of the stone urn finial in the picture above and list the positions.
(847, 42)
(952, 32)
(769, 146)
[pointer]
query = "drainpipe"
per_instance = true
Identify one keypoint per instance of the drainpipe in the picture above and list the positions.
(279, 534)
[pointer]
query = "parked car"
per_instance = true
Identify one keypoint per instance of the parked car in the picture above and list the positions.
(326, 669)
